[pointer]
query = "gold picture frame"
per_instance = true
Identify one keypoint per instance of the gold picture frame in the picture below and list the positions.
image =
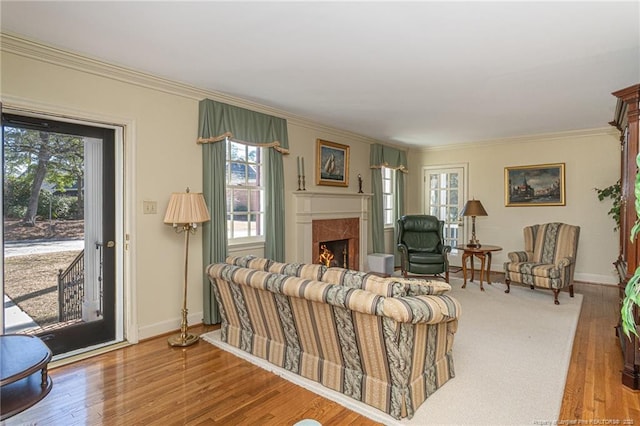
(332, 163)
(535, 185)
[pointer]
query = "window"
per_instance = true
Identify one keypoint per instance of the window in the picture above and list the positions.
(387, 196)
(245, 190)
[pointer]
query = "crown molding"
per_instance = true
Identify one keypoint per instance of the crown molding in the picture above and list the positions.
(571, 134)
(20, 46)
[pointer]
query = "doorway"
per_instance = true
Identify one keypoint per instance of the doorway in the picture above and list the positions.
(61, 281)
(444, 194)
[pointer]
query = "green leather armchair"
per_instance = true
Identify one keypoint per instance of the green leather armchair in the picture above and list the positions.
(421, 245)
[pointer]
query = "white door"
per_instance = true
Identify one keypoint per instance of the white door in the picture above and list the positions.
(444, 195)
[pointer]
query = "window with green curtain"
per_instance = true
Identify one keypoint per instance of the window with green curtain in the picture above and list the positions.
(385, 157)
(219, 122)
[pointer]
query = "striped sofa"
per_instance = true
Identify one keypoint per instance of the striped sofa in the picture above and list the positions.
(384, 341)
(548, 259)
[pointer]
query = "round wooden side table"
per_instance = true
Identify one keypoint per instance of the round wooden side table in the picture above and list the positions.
(23, 373)
(483, 253)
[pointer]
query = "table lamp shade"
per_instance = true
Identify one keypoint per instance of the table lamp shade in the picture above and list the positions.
(186, 207)
(474, 208)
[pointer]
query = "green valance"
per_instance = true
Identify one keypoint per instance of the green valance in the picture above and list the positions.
(386, 156)
(219, 121)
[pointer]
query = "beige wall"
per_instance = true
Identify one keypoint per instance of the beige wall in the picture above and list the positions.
(592, 159)
(161, 121)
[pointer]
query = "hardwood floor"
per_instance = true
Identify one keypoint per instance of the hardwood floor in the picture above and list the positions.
(151, 383)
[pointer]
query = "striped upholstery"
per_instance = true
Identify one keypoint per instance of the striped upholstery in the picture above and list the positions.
(388, 352)
(549, 257)
(388, 286)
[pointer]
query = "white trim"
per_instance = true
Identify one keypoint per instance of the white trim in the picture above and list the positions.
(600, 131)
(596, 278)
(169, 325)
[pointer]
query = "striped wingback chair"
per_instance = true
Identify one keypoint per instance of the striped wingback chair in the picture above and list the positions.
(548, 259)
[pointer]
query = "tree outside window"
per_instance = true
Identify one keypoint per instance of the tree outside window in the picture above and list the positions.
(245, 190)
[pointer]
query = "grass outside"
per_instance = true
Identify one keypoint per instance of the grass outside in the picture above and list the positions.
(31, 281)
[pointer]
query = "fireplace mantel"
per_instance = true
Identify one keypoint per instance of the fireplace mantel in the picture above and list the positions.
(315, 205)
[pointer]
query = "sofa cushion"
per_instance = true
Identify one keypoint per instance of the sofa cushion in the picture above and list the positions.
(426, 258)
(249, 261)
(364, 281)
(303, 270)
(423, 287)
(546, 270)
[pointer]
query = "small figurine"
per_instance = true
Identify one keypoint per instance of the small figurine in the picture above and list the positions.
(360, 184)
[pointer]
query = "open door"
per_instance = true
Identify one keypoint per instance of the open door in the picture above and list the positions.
(59, 228)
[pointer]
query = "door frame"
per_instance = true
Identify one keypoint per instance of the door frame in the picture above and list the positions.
(126, 312)
(454, 255)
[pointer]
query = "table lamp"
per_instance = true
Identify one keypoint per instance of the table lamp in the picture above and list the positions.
(473, 208)
(184, 212)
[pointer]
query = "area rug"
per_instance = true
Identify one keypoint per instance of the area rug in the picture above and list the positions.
(511, 354)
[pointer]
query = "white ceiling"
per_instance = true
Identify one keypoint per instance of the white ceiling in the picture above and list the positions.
(417, 73)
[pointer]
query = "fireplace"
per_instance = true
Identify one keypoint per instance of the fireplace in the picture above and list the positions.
(334, 253)
(329, 217)
(331, 232)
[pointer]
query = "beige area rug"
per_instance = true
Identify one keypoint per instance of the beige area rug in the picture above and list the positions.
(511, 355)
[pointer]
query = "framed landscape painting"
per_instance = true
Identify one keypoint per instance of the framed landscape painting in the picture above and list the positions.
(332, 163)
(536, 185)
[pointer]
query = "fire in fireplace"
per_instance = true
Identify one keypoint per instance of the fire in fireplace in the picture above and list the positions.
(334, 253)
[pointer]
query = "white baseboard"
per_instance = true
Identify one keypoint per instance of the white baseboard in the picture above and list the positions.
(596, 278)
(611, 279)
(168, 326)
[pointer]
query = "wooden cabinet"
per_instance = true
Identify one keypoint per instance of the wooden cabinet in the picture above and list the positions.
(627, 121)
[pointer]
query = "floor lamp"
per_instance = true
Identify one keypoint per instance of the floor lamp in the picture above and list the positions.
(185, 211)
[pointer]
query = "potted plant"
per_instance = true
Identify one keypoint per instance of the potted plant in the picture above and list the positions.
(614, 192)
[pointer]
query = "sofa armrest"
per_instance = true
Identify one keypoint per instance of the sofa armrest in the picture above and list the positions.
(446, 249)
(520, 256)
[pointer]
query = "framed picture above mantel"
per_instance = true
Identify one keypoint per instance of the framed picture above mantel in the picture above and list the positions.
(332, 163)
(535, 185)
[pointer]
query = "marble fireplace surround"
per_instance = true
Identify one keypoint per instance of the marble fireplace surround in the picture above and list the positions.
(327, 216)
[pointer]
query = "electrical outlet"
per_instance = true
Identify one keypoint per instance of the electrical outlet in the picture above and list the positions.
(150, 207)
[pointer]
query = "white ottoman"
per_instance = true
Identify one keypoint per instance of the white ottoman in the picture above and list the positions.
(381, 263)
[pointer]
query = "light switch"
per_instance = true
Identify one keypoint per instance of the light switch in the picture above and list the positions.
(150, 207)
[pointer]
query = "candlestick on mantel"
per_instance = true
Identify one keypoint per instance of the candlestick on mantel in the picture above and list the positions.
(298, 159)
(302, 166)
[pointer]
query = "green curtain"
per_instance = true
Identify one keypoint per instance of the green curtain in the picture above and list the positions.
(217, 122)
(398, 211)
(214, 232)
(385, 156)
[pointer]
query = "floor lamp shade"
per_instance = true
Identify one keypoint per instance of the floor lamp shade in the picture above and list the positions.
(473, 208)
(186, 207)
(184, 212)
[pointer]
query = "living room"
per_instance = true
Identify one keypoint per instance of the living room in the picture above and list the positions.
(159, 118)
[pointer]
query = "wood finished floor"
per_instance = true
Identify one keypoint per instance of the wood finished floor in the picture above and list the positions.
(151, 383)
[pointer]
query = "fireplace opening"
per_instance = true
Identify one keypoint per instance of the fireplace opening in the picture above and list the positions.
(334, 253)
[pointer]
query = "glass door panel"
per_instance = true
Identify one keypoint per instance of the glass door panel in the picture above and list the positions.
(443, 199)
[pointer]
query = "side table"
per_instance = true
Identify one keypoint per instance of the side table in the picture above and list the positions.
(23, 373)
(483, 253)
